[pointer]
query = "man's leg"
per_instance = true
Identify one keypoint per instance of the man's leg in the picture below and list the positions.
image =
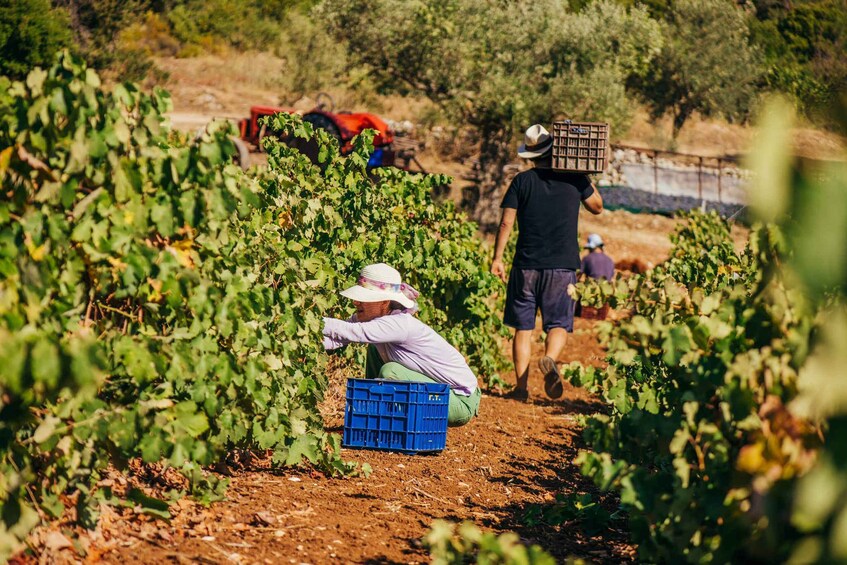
(520, 314)
(557, 309)
(521, 352)
(557, 338)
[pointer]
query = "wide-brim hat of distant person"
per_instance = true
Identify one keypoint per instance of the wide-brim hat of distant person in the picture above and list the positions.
(381, 282)
(594, 241)
(537, 142)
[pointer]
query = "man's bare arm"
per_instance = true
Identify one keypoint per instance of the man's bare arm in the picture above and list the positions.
(594, 203)
(507, 222)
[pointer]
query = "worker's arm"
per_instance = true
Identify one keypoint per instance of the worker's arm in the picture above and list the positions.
(594, 203)
(507, 222)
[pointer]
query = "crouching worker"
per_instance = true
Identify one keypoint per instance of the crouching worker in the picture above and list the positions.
(401, 347)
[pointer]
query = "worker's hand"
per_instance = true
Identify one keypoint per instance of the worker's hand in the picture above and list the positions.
(498, 269)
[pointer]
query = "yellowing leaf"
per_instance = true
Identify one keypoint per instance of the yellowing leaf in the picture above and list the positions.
(5, 159)
(751, 458)
(37, 253)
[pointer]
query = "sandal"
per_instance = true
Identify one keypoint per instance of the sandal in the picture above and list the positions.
(553, 386)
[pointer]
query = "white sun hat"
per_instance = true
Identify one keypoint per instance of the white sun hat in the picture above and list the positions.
(537, 142)
(381, 282)
(594, 241)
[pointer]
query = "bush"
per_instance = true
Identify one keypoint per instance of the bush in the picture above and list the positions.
(239, 23)
(138, 318)
(708, 363)
(31, 31)
(160, 306)
(734, 363)
(314, 61)
(348, 218)
(804, 44)
(449, 544)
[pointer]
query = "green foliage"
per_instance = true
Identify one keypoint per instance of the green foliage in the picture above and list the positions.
(347, 218)
(158, 305)
(98, 25)
(245, 24)
(708, 361)
(593, 54)
(707, 64)
(577, 510)
(810, 203)
(314, 61)
(452, 545)
(123, 36)
(139, 319)
(703, 255)
(734, 363)
(473, 58)
(31, 31)
(804, 43)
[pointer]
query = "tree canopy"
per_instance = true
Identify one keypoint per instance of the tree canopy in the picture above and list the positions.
(707, 64)
(499, 67)
(31, 31)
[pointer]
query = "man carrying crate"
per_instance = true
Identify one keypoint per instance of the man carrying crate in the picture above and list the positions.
(545, 203)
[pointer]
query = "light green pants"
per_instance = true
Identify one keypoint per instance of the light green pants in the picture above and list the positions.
(460, 409)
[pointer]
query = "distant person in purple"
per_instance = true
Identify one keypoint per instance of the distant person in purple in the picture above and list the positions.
(545, 202)
(596, 264)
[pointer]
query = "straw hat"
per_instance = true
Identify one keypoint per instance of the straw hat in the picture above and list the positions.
(537, 142)
(381, 282)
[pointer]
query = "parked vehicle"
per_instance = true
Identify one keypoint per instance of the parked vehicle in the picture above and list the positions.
(390, 148)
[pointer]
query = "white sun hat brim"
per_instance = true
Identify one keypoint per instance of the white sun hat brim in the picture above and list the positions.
(361, 294)
(535, 152)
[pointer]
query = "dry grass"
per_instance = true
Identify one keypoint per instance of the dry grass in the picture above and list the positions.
(227, 84)
(223, 84)
(715, 138)
(332, 407)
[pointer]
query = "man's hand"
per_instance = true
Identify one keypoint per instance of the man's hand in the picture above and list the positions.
(507, 221)
(498, 269)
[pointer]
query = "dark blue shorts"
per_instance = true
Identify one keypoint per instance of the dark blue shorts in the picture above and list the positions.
(530, 290)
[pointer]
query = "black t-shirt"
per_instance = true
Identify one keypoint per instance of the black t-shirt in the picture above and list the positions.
(547, 202)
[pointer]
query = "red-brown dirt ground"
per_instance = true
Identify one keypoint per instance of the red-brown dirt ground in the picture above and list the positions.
(511, 456)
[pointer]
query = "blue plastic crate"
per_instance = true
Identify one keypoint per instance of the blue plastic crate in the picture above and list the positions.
(396, 415)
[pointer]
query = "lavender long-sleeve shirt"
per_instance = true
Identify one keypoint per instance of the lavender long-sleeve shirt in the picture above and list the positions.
(402, 338)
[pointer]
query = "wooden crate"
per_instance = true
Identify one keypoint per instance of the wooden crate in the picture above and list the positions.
(581, 147)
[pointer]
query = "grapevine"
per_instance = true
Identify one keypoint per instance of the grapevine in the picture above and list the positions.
(711, 359)
(160, 306)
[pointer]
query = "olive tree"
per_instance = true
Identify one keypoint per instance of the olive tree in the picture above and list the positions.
(499, 66)
(31, 31)
(707, 64)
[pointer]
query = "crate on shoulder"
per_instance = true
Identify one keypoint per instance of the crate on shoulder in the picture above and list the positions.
(580, 147)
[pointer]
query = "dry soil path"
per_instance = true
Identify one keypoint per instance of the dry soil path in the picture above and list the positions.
(513, 455)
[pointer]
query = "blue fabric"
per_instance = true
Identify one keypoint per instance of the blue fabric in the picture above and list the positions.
(375, 159)
(531, 290)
